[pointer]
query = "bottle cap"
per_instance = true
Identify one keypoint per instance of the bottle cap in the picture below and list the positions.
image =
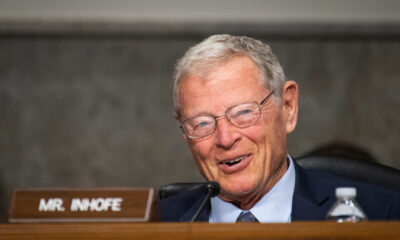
(346, 192)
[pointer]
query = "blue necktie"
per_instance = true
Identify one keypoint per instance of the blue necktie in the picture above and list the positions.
(246, 216)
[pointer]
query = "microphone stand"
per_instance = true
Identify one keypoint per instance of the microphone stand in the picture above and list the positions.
(212, 190)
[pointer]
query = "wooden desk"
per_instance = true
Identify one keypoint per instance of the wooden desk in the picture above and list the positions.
(203, 231)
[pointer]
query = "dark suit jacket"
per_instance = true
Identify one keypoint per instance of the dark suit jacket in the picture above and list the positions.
(313, 196)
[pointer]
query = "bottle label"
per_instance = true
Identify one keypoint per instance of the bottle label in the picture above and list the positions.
(345, 210)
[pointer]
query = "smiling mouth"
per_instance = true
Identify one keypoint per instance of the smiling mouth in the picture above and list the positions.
(234, 161)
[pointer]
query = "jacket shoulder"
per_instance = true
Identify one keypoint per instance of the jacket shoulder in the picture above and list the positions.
(316, 189)
(173, 208)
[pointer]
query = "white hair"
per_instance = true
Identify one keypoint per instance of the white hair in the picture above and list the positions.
(203, 57)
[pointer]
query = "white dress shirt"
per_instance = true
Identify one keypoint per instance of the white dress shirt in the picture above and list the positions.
(275, 206)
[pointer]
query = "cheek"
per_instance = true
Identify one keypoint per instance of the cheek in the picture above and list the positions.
(259, 133)
(274, 127)
(269, 136)
(276, 140)
(202, 154)
(201, 149)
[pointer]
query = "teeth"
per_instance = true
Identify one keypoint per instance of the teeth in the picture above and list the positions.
(234, 161)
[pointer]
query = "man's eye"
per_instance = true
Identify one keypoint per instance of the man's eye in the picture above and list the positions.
(244, 112)
(202, 124)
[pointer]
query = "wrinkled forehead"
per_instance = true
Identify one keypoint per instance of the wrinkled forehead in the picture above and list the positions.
(230, 83)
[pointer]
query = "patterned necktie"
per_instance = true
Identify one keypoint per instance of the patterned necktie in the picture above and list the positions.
(246, 216)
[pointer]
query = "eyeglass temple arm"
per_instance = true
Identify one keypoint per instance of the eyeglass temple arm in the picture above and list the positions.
(265, 99)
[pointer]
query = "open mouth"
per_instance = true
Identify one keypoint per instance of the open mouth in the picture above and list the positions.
(234, 161)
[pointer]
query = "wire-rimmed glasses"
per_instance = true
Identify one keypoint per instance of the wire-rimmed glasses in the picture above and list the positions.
(242, 115)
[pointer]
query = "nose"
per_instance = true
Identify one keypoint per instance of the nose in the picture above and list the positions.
(225, 134)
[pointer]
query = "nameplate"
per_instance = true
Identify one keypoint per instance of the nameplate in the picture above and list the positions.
(78, 205)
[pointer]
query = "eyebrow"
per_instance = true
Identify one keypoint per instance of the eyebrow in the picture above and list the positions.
(202, 113)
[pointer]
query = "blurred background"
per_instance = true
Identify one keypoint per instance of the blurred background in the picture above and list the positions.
(85, 84)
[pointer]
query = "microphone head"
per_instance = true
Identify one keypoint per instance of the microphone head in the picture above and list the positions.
(213, 188)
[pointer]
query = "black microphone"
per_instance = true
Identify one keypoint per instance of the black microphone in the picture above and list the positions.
(212, 190)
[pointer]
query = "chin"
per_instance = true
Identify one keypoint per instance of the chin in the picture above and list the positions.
(237, 188)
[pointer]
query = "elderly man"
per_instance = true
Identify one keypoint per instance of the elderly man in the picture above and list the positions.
(235, 108)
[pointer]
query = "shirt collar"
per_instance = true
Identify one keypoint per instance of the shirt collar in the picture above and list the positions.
(275, 206)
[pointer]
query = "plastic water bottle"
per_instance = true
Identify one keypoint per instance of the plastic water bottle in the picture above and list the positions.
(346, 209)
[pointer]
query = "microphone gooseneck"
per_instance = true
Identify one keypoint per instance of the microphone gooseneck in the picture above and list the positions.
(212, 191)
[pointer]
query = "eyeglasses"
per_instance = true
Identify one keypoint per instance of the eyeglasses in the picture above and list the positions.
(242, 115)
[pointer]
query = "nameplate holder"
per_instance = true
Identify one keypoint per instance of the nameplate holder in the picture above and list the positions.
(81, 205)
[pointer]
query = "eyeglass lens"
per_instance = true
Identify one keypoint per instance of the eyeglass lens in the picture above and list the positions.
(241, 116)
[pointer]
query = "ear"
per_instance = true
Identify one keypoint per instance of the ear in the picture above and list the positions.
(290, 100)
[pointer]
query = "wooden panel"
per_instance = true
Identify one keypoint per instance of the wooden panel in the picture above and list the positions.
(296, 230)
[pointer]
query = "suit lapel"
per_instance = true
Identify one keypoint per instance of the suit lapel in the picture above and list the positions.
(311, 199)
(204, 214)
